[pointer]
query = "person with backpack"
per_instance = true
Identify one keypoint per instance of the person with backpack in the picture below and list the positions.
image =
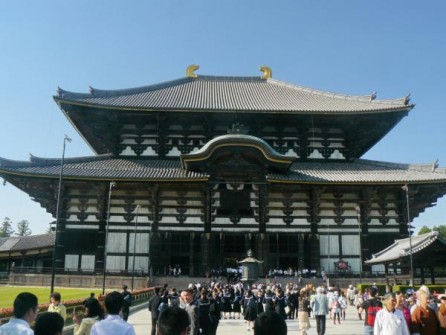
(371, 306)
(390, 320)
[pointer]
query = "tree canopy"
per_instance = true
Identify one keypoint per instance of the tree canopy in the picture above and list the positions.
(6, 228)
(441, 230)
(23, 228)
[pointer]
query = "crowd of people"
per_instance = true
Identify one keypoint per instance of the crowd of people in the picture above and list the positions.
(416, 313)
(97, 319)
(264, 308)
(174, 271)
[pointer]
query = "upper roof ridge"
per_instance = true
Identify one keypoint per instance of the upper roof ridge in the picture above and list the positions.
(51, 161)
(371, 98)
(102, 93)
(425, 167)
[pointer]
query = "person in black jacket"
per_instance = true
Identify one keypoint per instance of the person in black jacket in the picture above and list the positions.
(127, 303)
(154, 304)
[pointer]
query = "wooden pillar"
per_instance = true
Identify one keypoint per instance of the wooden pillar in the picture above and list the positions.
(262, 252)
(301, 251)
(191, 254)
(205, 253)
(314, 250)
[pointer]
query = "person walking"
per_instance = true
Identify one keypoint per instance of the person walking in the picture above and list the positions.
(204, 312)
(187, 303)
(335, 307)
(127, 303)
(154, 304)
(280, 303)
(319, 306)
(302, 312)
(371, 306)
(250, 308)
(214, 312)
(390, 320)
(358, 302)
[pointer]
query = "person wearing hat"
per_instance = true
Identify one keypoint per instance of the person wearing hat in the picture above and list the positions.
(371, 307)
(390, 320)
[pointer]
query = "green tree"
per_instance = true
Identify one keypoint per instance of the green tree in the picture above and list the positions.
(23, 228)
(6, 229)
(441, 230)
(424, 230)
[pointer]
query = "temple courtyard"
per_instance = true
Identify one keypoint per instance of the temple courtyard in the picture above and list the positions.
(141, 320)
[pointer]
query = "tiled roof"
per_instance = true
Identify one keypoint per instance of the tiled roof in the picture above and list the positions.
(360, 171)
(401, 248)
(106, 167)
(212, 93)
(17, 243)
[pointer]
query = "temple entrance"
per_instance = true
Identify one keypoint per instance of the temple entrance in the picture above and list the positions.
(181, 262)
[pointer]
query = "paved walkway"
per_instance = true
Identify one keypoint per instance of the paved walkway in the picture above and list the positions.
(351, 326)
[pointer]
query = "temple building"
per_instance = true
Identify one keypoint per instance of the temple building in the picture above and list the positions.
(196, 171)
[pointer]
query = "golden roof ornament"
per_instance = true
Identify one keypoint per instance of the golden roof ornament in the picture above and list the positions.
(190, 71)
(267, 73)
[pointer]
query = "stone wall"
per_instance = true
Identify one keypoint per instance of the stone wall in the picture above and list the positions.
(85, 281)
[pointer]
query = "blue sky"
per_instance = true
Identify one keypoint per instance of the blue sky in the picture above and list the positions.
(350, 46)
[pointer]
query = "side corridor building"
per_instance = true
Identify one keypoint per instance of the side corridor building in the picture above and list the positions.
(200, 169)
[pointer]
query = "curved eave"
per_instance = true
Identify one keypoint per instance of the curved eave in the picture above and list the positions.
(275, 159)
(384, 109)
(405, 251)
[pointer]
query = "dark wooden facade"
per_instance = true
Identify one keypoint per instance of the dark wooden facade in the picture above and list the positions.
(209, 167)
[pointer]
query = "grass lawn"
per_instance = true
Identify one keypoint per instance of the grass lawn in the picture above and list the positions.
(8, 293)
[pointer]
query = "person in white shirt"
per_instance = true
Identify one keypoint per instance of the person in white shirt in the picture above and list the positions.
(389, 320)
(25, 311)
(113, 323)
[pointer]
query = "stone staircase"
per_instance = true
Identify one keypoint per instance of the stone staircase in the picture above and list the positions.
(183, 282)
